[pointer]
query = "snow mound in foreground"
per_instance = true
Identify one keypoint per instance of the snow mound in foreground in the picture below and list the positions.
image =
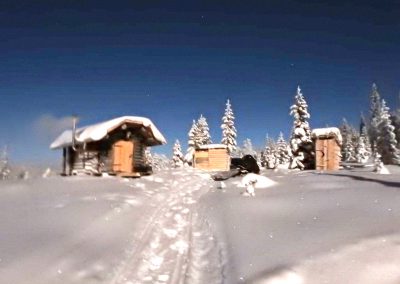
(257, 180)
(370, 261)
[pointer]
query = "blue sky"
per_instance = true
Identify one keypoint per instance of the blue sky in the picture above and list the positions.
(173, 61)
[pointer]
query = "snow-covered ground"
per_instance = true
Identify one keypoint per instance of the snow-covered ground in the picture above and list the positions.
(105, 230)
(179, 226)
(341, 227)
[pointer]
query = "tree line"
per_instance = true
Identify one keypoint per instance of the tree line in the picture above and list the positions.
(378, 134)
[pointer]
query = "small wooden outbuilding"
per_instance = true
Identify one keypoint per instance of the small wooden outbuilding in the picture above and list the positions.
(327, 148)
(115, 147)
(212, 157)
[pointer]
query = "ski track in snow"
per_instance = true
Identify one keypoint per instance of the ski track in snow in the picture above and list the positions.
(175, 244)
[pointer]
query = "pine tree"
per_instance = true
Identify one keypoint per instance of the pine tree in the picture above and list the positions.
(248, 149)
(375, 109)
(362, 154)
(282, 150)
(177, 158)
(192, 140)
(148, 157)
(203, 136)
(4, 165)
(161, 162)
(301, 143)
(363, 124)
(269, 160)
(386, 138)
(395, 118)
(378, 165)
(350, 140)
(229, 133)
(363, 149)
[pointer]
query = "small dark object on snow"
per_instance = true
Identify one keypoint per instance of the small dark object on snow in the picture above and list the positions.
(247, 164)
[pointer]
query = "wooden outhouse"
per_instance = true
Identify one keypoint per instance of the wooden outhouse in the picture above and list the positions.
(327, 148)
(115, 147)
(212, 157)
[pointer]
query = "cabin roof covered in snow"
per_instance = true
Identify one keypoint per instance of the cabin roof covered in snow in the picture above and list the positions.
(213, 146)
(330, 132)
(97, 132)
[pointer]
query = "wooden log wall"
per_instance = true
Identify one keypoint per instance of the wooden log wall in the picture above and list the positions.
(97, 157)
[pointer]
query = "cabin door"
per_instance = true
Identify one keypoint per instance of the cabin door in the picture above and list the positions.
(322, 154)
(123, 156)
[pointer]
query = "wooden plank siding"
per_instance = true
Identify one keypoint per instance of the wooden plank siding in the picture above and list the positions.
(123, 156)
(327, 154)
(212, 159)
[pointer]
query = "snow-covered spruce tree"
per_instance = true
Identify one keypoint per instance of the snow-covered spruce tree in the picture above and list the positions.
(363, 149)
(248, 149)
(177, 157)
(229, 133)
(148, 157)
(301, 144)
(375, 109)
(379, 167)
(270, 159)
(350, 140)
(362, 154)
(4, 165)
(386, 139)
(395, 118)
(160, 162)
(192, 140)
(259, 156)
(202, 136)
(282, 154)
(344, 131)
(269, 155)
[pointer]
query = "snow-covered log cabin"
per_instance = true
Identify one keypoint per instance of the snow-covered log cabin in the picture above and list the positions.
(327, 148)
(212, 157)
(115, 146)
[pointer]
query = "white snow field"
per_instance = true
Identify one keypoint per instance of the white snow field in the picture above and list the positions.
(310, 227)
(179, 226)
(106, 230)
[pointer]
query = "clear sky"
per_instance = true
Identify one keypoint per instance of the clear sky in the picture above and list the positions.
(172, 61)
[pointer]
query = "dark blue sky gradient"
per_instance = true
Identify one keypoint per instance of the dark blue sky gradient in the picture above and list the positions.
(174, 61)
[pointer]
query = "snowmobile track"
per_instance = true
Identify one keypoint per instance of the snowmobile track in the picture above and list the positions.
(174, 246)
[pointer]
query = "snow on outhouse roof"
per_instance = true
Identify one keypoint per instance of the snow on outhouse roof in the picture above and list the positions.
(330, 132)
(213, 146)
(100, 130)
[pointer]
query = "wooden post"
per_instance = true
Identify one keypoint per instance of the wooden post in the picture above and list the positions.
(64, 162)
(70, 160)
